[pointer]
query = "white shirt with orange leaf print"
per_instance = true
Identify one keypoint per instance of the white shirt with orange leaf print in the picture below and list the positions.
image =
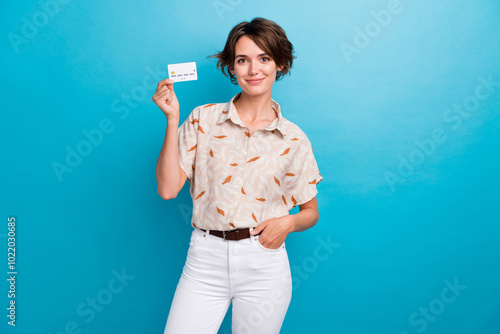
(239, 180)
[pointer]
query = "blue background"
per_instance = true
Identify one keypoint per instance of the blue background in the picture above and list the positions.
(406, 220)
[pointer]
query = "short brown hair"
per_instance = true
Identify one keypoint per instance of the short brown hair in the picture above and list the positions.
(268, 35)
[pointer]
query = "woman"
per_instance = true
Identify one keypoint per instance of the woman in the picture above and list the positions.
(247, 167)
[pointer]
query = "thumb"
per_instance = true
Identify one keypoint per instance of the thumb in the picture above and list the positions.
(256, 230)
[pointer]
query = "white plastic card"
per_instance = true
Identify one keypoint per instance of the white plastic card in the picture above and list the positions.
(182, 72)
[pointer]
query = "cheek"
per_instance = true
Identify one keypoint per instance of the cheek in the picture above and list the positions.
(271, 69)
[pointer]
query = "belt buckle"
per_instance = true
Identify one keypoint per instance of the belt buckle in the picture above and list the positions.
(224, 235)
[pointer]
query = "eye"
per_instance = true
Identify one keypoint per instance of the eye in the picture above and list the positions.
(265, 59)
(240, 60)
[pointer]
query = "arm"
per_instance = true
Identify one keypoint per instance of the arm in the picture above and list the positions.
(307, 217)
(170, 177)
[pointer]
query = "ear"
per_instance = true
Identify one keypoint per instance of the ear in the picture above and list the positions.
(231, 70)
(280, 68)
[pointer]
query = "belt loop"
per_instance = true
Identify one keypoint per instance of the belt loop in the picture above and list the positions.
(252, 237)
(206, 233)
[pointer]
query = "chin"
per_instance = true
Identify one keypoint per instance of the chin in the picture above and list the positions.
(255, 90)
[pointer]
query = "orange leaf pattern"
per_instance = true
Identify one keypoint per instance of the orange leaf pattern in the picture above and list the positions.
(220, 211)
(265, 173)
(286, 151)
(277, 181)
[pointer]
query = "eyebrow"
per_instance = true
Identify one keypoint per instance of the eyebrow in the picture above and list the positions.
(262, 54)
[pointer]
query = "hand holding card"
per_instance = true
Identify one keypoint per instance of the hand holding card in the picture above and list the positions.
(165, 96)
(166, 99)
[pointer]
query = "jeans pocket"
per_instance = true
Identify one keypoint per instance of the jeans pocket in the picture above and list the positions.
(196, 236)
(282, 246)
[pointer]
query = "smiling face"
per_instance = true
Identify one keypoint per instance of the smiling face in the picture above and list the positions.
(255, 70)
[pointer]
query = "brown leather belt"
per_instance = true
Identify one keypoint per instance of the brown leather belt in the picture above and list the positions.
(238, 234)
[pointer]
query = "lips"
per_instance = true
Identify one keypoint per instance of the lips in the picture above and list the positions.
(255, 81)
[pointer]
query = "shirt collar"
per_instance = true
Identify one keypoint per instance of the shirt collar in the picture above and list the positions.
(229, 112)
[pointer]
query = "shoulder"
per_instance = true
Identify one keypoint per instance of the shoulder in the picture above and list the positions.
(210, 110)
(213, 106)
(210, 106)
(295, 133)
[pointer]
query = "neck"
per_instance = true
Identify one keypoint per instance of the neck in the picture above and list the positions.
(255, 107)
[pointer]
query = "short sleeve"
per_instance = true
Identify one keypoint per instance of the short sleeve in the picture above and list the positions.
(302, 177)
(188, 139)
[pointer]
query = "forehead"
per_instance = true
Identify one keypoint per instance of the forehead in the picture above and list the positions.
(246, 46)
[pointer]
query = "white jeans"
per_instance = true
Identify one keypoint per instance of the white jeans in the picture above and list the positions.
(256, 279)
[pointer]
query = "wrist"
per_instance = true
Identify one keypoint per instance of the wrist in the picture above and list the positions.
(292, 223)
(172, 119)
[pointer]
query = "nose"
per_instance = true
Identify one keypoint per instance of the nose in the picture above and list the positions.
(253, 68)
